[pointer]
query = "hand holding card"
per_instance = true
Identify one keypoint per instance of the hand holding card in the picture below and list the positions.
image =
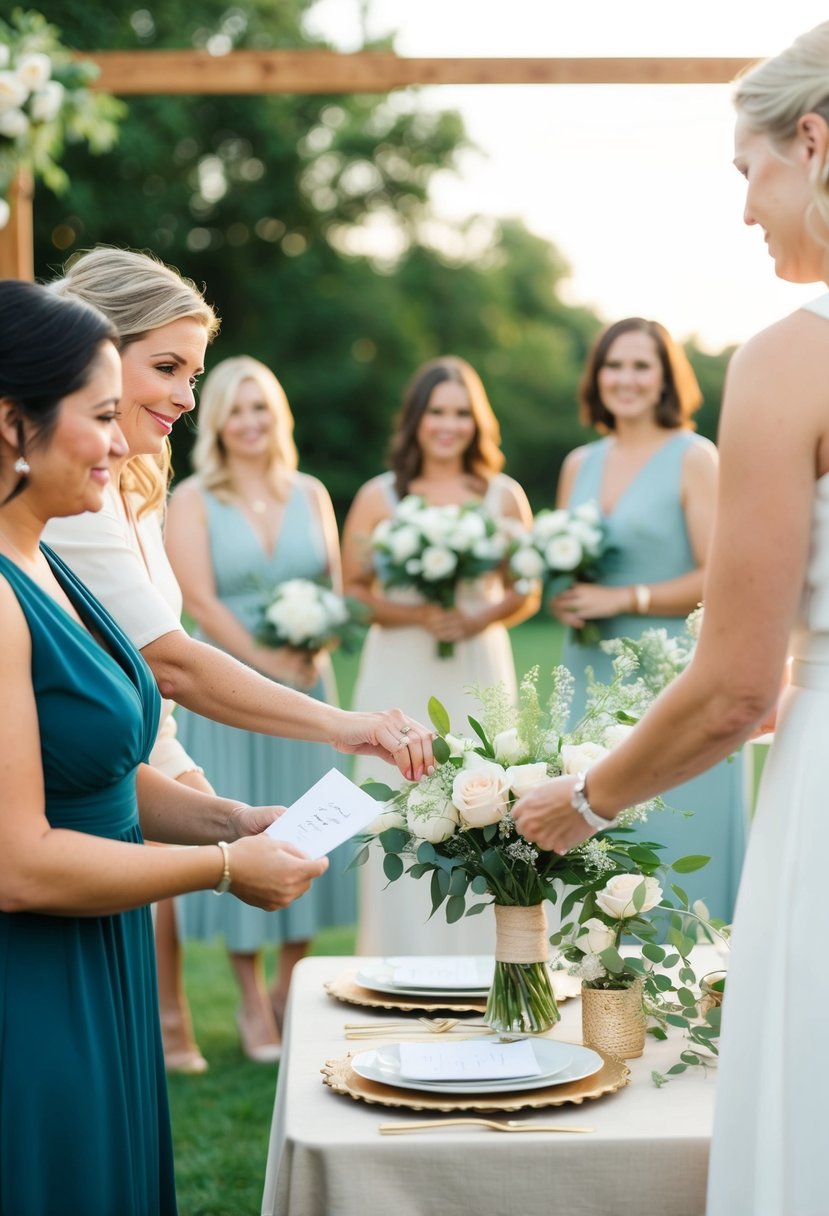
(332, 811)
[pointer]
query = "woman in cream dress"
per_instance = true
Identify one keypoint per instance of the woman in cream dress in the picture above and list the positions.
(446, 447)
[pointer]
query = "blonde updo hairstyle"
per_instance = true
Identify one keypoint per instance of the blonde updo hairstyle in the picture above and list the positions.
(138, 293)
(773, 95)
(216, 401)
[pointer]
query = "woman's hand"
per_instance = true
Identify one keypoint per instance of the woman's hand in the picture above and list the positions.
(251, 820)
(268, 873)
(452, 625)
(290, 665)
(545, 816)
(392, 736)
(590, 601)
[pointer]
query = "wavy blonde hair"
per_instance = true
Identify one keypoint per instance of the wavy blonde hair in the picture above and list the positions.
(773, 95)
(217, 399)
(138, 293)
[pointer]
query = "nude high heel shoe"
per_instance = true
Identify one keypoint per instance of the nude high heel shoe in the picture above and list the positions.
(260, 1053)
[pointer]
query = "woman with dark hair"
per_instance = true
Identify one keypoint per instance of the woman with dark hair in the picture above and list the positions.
(446, 447)
(655, 483)
(84, 1125)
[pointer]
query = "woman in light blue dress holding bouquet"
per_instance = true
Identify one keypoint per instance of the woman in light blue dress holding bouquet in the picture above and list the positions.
(245, 523)
(655, 483)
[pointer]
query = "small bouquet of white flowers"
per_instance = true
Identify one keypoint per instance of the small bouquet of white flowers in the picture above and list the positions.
(561, 548)
(432, 549)
(655, 657)
(309, 616)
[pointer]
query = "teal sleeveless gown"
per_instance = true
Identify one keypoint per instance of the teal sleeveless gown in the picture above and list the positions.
(648, 542)
(262, 769)
(84, 1123)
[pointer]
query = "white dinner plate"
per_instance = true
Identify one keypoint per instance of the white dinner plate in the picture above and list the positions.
(380, 977)
(561, 1063)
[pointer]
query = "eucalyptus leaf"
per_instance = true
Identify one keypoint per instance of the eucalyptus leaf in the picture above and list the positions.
(376, 789)
(612, 960)
(441, 749)
(392, 866)
(359, 859)
(438, 716)
(393, 839)
(654, 954)
(476, 909)
(426, 852)
(687, 865)
(458, 882)
(455, 908)
(479, 885)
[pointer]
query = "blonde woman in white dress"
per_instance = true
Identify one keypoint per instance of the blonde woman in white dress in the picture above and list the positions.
(767, 595)
(446, 447)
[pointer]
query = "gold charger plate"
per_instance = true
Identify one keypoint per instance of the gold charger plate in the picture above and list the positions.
(345, 988)
(339, 1076)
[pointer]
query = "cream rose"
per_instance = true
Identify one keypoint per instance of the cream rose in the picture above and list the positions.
(616, 734)
(434, 824)
(457, 744)
(508, 746)
(595, 936)
(524, 777)
(578, 757)
(563, 553)
(481, 794)
(33, 70)
(616, 899)
(437, 563)
(390, 817)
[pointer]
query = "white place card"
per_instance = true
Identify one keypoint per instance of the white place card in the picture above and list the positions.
(476, 1061)
(444, 972)
(333, 810)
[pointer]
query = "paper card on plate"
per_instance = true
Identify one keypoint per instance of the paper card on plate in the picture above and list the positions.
(326, 815)
(443, 972)
(475, 1061)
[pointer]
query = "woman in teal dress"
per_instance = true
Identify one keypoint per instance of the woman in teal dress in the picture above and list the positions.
(247, 521)
(84, 1123)
(655, 483)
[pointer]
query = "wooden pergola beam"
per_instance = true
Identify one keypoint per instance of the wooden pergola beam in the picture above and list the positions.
(128, 73)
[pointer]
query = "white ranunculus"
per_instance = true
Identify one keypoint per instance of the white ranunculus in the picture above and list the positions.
(616, 899)
(508, 746)
(13, 92)
(434, 824)
(46, 102)
(524, 777)
(5, 213)
(403, 542)
(563, 553)
(527, 562)
(616, 734)
(13, 123)
(437, 563)
(481, 795)
(595, 936)
(579, 757)
(548, 524)
(33, 70)
(390, 817)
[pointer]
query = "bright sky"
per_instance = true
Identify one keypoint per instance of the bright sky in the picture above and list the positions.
(634, 184)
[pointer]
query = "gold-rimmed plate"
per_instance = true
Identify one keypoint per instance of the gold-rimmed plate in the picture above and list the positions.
(345, 988)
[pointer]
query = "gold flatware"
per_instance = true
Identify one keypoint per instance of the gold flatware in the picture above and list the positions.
(511, 1125)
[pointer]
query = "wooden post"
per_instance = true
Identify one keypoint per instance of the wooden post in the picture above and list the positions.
(16, 244)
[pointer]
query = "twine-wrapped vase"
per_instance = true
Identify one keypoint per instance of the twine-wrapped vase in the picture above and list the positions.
(613, 1019)
(521, 997)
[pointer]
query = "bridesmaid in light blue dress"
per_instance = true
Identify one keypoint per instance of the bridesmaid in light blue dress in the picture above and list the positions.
(655, 483)
(246, 522)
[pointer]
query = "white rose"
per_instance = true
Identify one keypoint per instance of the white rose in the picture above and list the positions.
(588, 512)
(527, 563)
(12, 92)
(381, 533)
(33, 70)
(548, 524)
(436, 523)
(434, 825)
(472, 760)
(13, 123)
(524, 777)
(616, 899)
(589, 538)
(5, 213)
(481, 794)
(563, 553)
(595, 936)
(616, 734)
(437, 563)
(508, 747)
(490, 548)
(403, 542)
(579, 757)
(46, 103)
(389, 817)
(409, 507)
(335, 608)
(468, 529)
(457, 744)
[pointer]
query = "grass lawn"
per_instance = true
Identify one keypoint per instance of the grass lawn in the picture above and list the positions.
(221, 1120)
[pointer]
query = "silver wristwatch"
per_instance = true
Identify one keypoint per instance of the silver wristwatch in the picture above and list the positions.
(578, 801)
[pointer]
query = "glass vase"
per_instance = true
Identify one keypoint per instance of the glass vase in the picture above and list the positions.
(521, 998)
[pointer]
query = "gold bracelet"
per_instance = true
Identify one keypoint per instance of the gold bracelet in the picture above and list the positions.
(642, 599)
(224, 882)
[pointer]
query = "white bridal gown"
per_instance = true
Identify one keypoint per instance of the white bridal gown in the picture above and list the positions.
(770, 1152)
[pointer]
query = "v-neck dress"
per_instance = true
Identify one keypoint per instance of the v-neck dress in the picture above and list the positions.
(262, 769)
(648, 542)
(84, 1123)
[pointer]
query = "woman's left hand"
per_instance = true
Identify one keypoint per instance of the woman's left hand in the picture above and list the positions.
(545, 816)
(454, 625)
(251, 820)
(589, 602)
(392, 736)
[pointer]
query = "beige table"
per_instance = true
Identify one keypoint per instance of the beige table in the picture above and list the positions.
(648, 1155)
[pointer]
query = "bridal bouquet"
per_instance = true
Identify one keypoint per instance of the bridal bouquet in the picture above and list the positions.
(455, 828)
(561, 548)
(432, 549)
(309, 616)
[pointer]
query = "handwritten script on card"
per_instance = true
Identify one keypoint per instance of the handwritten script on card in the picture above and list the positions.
(326, 815)
(479, 1061)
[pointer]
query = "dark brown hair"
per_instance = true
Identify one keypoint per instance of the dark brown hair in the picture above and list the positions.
(483, 458)
(681, 396)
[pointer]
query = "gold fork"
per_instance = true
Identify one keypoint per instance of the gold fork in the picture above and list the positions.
(511, 1125)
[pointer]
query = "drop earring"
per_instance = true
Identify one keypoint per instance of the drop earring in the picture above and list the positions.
(22, 466)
